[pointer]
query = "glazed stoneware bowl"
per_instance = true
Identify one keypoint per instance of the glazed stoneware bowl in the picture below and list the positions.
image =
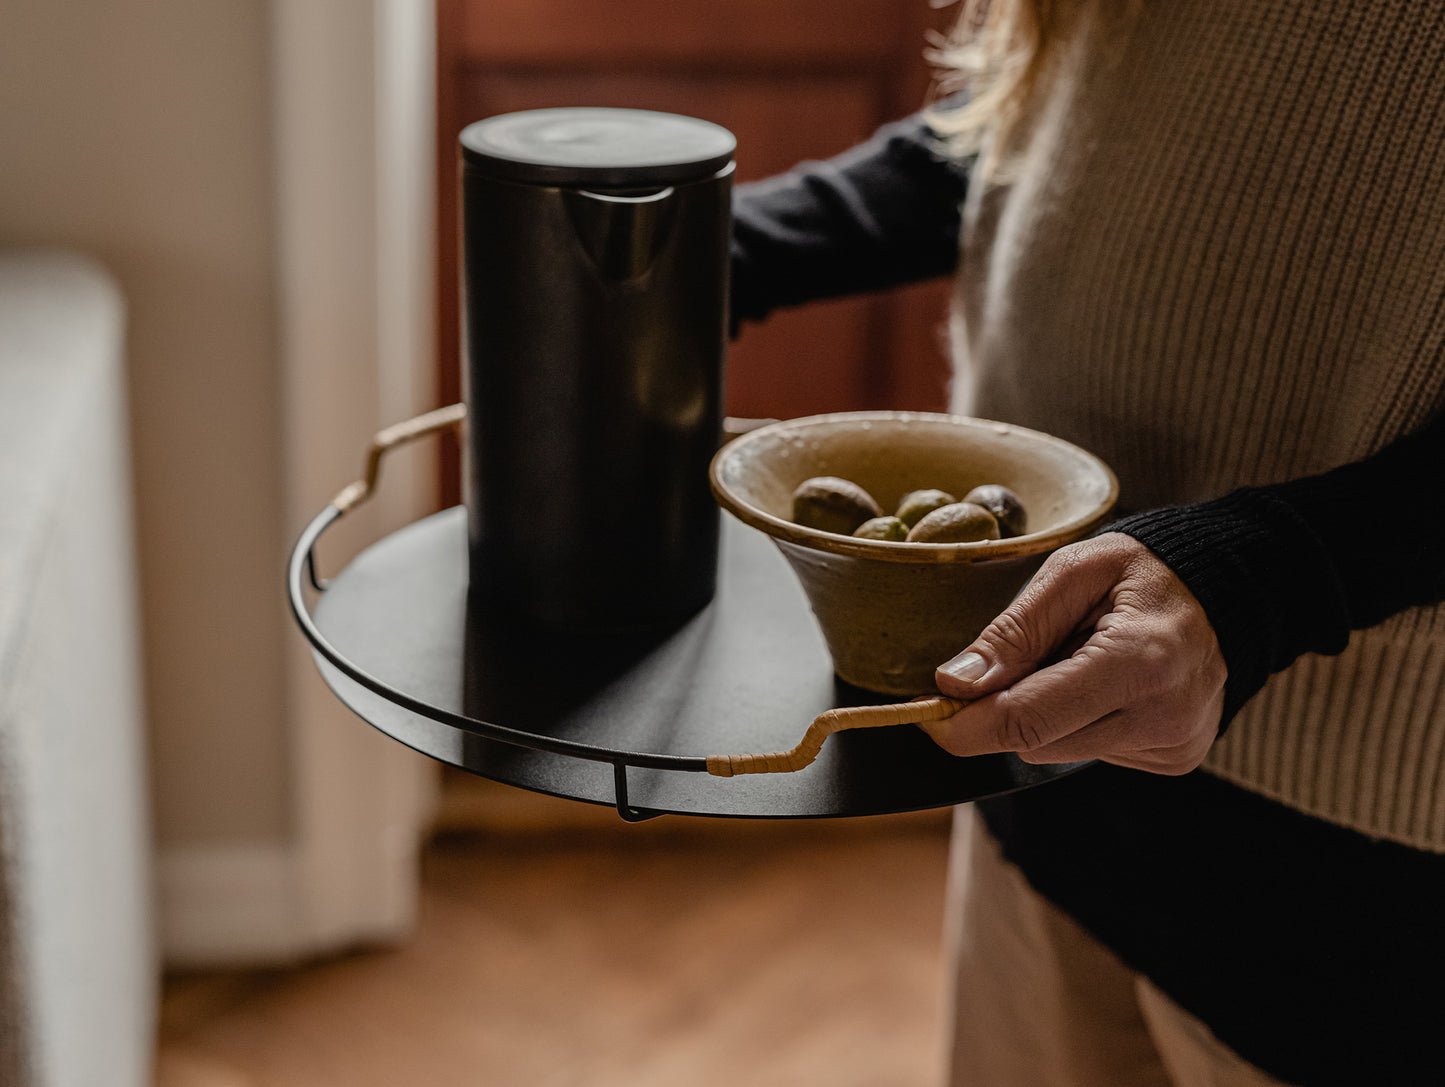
(892, 612)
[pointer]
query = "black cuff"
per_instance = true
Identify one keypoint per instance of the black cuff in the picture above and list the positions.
(1263, 577)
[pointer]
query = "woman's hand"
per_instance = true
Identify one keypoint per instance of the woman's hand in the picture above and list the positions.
(1104, 655)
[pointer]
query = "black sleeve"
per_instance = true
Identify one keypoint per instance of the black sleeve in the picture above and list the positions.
(1292, 568)
(882, 214)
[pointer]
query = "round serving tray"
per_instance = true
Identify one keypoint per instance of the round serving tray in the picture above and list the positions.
(627, 721)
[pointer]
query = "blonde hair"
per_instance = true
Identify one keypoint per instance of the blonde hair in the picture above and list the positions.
(998, 54)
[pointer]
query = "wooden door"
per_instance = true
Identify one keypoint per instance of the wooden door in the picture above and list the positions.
(792, 79)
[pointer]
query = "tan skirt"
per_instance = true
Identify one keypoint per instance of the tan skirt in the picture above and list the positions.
(1037, 1002)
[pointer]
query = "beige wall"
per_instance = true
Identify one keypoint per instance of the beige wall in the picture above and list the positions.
(140, 132)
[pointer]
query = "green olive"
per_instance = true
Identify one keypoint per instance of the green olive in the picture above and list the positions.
(960, 522)
(1004, 505)
(882, 528)
(830, 504)
(917, 505)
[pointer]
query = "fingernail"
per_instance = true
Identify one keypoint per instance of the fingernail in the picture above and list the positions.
(966, 666)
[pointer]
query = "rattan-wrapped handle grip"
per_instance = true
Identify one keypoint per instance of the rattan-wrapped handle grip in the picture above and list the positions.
(355, 494)
(827, 723)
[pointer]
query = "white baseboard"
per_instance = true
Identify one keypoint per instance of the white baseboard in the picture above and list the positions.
(230, 905)
(264, 905)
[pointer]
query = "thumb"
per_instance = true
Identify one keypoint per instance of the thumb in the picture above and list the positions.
(1050, 618)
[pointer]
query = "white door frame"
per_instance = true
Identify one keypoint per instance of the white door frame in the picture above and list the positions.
(355, 116)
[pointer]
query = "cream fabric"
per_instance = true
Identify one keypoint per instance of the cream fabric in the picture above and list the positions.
(79, 975)
(1036, 1002)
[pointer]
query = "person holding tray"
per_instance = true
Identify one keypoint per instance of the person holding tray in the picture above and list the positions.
(1205, 241)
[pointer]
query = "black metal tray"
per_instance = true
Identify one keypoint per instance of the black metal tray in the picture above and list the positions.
(623, 721)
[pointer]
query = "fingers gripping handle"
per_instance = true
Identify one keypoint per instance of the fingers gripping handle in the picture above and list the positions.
(827, 723)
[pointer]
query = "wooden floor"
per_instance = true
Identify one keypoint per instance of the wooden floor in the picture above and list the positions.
(560, 947)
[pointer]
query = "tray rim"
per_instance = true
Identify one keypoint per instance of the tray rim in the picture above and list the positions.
(301, 572)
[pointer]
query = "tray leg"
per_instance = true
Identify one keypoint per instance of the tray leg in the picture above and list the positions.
(625, 809)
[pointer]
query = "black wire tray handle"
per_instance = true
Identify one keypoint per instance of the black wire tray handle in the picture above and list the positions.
(301, 571)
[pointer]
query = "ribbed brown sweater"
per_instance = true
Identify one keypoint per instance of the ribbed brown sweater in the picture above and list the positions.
(1223, 265)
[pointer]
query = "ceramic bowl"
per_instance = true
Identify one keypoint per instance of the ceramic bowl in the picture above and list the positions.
(892, 612)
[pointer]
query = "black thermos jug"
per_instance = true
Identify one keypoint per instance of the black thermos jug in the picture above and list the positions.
(595, 248)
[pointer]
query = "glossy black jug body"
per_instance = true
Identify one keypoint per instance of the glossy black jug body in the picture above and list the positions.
(595, 332)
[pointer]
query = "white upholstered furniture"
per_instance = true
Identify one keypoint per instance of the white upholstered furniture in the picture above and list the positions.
(78, 973)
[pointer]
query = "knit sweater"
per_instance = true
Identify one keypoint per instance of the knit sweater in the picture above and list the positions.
(1235, 298)
(1211, 299)
(1238, 288)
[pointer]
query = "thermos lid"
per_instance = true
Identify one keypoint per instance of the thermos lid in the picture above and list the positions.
(595, 147)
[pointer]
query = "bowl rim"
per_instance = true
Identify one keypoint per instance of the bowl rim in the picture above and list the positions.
(782, 530)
